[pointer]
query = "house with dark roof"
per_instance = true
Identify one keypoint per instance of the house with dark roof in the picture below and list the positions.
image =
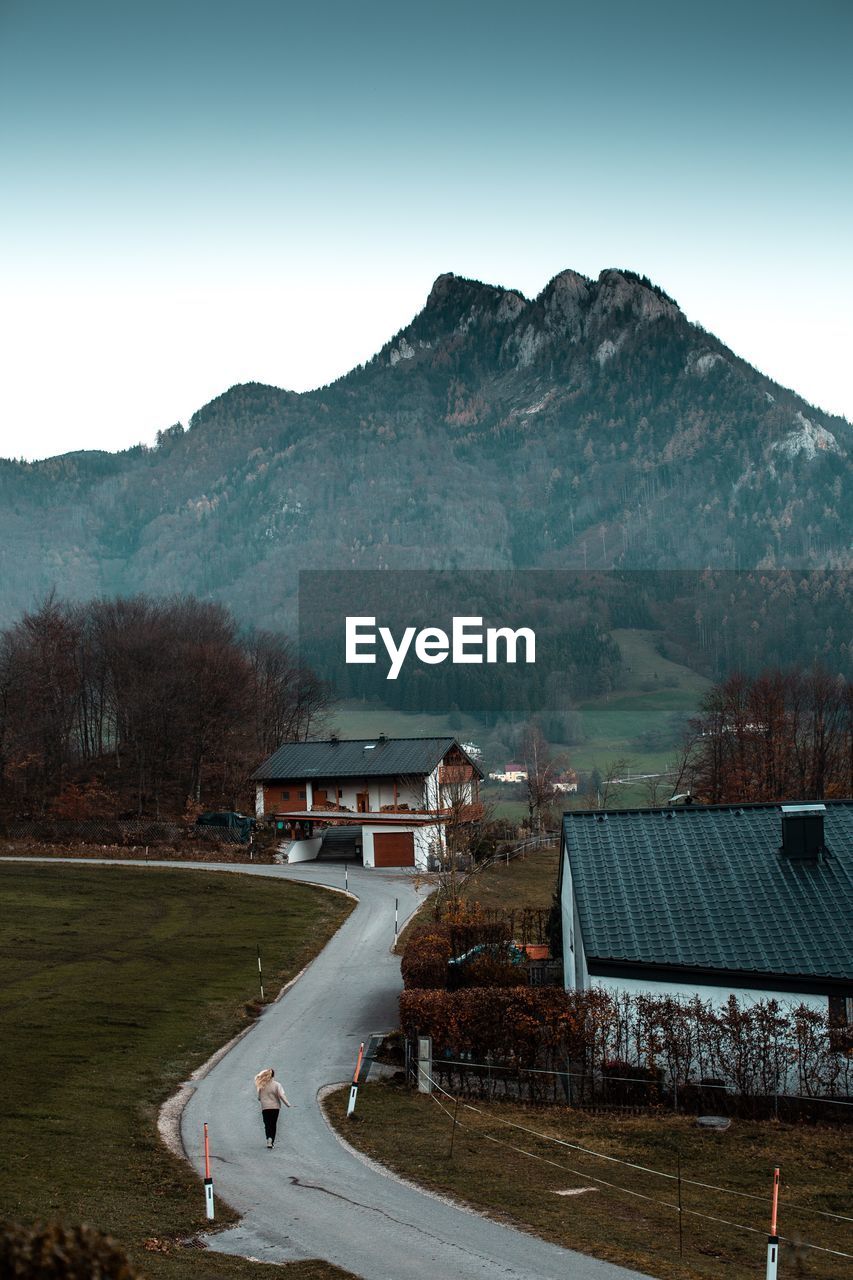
(396, 794)
(753, 899)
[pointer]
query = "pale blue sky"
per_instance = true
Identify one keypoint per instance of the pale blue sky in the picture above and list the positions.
(200, 194)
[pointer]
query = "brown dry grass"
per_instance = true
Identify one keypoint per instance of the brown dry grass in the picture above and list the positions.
(514, 1176)
(527, 881)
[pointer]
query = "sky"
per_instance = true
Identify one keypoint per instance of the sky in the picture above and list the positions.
(200, 194)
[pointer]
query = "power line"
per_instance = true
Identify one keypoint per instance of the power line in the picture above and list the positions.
(658, 1173)
(666, 1204)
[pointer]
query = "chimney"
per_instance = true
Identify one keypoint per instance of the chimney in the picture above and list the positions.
(802, 832)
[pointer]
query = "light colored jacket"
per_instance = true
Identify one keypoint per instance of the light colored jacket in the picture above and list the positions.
(271, 1096)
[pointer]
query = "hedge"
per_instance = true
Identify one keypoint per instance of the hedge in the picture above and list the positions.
(757, 1049)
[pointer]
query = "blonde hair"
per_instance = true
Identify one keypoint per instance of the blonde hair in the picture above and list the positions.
(263, 1077)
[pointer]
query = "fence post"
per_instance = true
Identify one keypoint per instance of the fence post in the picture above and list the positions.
(453, 1130)
(680, 1211)
(773, 1239)
(424, 1064)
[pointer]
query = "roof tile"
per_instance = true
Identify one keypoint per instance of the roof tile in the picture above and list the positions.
(708, 888)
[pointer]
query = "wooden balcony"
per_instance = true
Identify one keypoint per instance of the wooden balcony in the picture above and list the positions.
(448, 774)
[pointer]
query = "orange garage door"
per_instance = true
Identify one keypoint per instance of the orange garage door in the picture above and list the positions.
(394, 849)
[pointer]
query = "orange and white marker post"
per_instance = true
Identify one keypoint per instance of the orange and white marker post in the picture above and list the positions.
(773, 1238)
(208, 1181)
(354, 1086)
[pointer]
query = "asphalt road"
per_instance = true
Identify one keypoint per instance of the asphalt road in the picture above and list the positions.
(311, 1196)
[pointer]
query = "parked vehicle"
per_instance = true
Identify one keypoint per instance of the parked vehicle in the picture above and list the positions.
(237, 825)
(508, 951)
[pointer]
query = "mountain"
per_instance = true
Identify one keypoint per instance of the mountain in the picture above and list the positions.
(590, 426)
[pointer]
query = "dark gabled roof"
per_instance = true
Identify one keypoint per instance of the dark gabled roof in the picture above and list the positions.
(707, 888)
(357, 758)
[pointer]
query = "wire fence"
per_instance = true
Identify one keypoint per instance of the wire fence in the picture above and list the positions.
(603, 1091)
(115, 831)
(530, 845)
(672, 1177)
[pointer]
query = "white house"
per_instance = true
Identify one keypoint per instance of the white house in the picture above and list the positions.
(399, 794)
(566, 782)
(512, 773)
(754, 900)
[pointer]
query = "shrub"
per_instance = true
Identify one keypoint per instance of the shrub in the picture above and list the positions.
(487, 971)
(424, 963)
(54, 1252)
(638, 1046)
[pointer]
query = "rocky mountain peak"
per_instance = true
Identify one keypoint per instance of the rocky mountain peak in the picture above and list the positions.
(563, 302)
(617, 290)
(454, 292)
(455, 306)
(568, 284)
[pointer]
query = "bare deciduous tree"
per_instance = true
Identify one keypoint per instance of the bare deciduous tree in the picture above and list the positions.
(776, 736)
(164, 695)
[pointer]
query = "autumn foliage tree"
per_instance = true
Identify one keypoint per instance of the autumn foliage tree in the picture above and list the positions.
(166, 698)
(779, 735)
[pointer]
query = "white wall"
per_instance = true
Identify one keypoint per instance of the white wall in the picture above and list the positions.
(574, 959)
(716, 995)
(450, 793)
(304, 850)
(423, 836)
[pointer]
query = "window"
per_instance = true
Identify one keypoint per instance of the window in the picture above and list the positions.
(301, 795)
(841, 1024)
(285, 795)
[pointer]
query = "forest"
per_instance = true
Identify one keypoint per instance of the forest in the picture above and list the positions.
(713, 621)
(125, 707)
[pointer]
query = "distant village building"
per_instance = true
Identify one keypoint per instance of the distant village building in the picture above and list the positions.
(511, 773)
(394, 795)
(754, 900)
(566, 782)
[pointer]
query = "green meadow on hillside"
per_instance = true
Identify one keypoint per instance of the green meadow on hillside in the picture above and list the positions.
(638, 723)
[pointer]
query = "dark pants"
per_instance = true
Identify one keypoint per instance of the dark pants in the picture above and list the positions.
(270, 1115)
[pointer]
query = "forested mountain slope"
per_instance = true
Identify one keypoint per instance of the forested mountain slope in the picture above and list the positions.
(592, 426)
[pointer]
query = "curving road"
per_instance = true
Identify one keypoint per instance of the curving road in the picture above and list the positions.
(313, 1197)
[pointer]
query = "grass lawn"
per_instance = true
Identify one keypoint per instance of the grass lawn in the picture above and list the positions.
(489, 1169)
(642, 665)
(530, 880)
(527, 881)
(115, 984)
